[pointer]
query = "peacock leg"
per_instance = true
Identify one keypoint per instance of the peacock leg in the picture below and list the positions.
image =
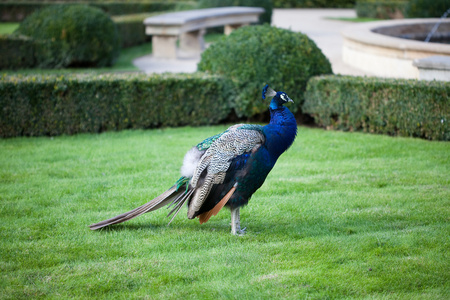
(236, 222)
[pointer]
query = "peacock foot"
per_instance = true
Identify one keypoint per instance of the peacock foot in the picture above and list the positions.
(239, 232)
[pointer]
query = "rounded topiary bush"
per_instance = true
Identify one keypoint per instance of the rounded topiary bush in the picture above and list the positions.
(72, 36)
(255, 55)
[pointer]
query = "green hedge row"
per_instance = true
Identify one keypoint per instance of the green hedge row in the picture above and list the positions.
(21, 52)
(17, 52)
(381, 9)
(55, 105)
(16, 11)
(427, 8)
(131, 29)
(313, 3)
(388, 106)
(72, 36)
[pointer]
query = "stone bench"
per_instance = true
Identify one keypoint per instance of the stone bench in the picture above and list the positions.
(189, 26)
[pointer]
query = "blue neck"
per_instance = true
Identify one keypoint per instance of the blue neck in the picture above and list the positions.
(281, 131)
(274, 105)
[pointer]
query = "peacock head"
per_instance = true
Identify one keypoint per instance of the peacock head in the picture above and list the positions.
(279, 98)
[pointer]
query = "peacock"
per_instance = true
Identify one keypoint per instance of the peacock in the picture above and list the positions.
(225, 169)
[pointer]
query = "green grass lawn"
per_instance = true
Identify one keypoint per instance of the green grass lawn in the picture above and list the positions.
(8, 28)
(342, 215)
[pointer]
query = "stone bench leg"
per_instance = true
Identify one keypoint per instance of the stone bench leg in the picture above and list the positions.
(192, 42)
(229, 28)
(164, 46)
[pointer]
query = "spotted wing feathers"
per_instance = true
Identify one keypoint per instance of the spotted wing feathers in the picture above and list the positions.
(213, 165)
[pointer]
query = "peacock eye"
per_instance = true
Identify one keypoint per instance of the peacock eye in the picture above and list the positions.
(283, 97)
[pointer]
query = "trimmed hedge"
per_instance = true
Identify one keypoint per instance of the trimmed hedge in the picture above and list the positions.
(253, 55)
(131, 29)
(381, 9)
(313, 3)
(20, 52)
(388, 106)
(427, 8)
(17, 52)
(72, 35)
(69, 104)
(54, 105)
(16, 11)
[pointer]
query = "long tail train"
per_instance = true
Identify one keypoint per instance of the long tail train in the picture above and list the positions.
(175, 195)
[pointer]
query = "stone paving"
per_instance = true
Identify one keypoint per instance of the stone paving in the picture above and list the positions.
(312, 22)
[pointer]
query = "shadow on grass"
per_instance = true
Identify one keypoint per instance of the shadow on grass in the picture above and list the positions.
(301, 226)
(122, 227)
(164, 227)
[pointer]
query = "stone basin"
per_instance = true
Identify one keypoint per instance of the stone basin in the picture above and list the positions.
(383, 49)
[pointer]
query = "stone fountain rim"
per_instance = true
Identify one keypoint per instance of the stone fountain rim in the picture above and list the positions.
(363, 33)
